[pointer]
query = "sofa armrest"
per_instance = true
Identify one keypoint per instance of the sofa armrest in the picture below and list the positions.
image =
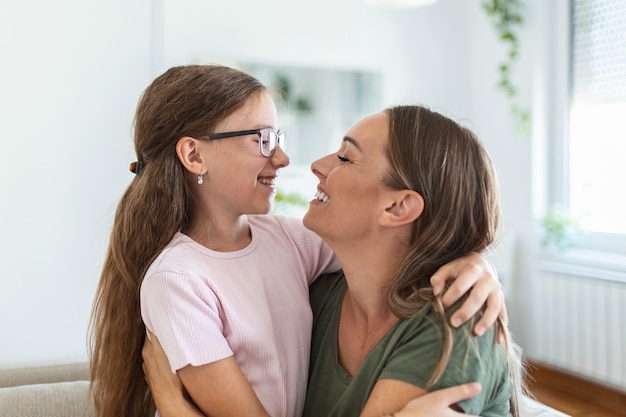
(44, 374)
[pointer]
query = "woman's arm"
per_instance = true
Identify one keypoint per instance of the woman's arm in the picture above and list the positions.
(167, 389)
(473, 273)
(171, 400)
(219, 387)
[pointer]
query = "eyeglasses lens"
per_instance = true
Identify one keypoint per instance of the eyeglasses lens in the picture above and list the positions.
(268, 142)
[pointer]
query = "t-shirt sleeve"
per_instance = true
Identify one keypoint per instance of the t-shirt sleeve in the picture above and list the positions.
(184, 314)
(318, 257)
(416, 353)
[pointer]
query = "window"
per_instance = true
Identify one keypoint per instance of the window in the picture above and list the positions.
(594, 186)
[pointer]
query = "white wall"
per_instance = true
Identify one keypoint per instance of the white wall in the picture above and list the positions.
(490, 115)
(70, 73)
(70, 76)
(422, 51)
(520, 161)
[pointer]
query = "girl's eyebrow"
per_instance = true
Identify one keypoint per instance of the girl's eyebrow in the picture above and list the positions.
(353, 141)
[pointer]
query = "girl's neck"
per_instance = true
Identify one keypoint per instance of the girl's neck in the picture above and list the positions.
(225, 235)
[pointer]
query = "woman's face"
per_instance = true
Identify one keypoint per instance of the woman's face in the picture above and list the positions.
(239, 180)
(350, 193)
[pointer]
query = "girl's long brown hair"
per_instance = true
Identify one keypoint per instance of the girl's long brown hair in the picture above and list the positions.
(184, 101)
(445, 163)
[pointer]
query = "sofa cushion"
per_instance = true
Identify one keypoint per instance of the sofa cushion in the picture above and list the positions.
(58, 399)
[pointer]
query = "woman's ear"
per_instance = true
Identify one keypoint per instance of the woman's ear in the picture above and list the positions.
(405, 207)
(190, 155)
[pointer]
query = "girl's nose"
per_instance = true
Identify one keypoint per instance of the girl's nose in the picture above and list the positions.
(280, 158)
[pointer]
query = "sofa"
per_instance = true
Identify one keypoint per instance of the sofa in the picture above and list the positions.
(50, 391)
(63, 391)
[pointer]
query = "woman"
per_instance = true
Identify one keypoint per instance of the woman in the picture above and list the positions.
(224, 287)
(420, 190)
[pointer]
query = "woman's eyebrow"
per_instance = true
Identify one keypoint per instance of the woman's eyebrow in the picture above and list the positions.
(353, 141)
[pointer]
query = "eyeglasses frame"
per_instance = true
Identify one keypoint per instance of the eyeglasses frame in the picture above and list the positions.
(280, 137)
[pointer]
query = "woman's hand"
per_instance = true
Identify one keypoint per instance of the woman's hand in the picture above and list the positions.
(475, 274)
(167, 389)
(439, 403)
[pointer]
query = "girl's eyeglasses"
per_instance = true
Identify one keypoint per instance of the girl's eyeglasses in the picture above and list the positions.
(269, 139)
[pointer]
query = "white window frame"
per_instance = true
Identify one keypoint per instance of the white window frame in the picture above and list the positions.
(599, 255)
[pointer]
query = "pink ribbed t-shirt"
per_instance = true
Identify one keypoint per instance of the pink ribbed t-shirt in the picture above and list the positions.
(252, 304)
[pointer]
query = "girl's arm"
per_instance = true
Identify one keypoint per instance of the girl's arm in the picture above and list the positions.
(219, 387)
(440, 403)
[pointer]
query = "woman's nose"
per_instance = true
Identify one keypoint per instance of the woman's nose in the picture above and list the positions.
(320, 167)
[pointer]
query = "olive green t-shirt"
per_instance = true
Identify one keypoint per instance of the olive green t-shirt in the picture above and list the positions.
(409, 352)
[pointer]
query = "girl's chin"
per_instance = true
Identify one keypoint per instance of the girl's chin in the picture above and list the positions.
(308, 220)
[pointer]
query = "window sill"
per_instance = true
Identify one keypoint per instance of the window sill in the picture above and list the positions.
(588, 263)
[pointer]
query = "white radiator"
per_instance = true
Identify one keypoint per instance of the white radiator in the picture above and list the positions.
(582, 326)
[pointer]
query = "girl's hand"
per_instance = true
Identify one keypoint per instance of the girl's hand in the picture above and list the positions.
(439, 403)
(475, 274)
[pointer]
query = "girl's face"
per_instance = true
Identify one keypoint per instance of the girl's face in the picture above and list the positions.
(239, 180)
(350, 191)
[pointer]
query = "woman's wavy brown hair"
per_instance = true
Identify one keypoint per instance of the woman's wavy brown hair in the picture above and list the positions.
(448, 166)
(184, 101)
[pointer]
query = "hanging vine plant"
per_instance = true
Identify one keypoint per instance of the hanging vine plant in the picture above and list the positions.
(506, 18)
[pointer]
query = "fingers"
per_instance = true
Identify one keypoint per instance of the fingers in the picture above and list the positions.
(473, 273)
(145, 355)
(147, 344)
(504, 314)
(484, 290)
(469, 276)
(439, 278)
(463, 269)
(466, 271)
(491, 313)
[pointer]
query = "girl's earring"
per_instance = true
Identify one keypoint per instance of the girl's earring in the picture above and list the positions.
(200, 180)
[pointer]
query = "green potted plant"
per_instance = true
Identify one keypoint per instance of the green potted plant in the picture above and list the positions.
(559, 227)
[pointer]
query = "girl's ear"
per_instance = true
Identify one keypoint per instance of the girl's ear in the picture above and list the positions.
(190, 155)
(404, 207)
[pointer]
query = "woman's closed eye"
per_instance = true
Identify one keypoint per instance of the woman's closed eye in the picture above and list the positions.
(343, 158)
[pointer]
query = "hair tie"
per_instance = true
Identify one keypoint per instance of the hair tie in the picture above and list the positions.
(136, 167)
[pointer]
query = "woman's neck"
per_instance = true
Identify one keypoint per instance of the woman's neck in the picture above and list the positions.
(370, 260)
(369, 266)
(365, 316)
